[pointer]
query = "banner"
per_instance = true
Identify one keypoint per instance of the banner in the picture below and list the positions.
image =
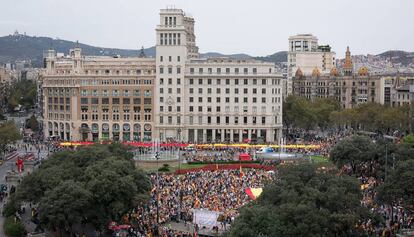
(206, 218)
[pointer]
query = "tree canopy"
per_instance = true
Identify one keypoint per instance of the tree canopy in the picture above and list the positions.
(98, 183)
(8, 134)
(398, 187)
(306, 201)
(300, 112)
(24, 93)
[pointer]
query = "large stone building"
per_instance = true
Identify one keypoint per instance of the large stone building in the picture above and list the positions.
(174, 96)
(348, 87)
(93, 98)
(305, 53)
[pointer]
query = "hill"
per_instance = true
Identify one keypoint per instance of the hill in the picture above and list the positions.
(398, 56)
(278, 57)
(22, 47)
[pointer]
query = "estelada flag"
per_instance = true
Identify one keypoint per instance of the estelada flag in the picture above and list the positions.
(253, 193)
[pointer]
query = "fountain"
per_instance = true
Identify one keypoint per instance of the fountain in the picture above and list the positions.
(269, 153)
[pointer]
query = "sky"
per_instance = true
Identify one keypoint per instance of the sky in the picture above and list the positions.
(255, 27)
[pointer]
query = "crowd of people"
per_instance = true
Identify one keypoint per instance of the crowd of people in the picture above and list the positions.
(395, 216)
(222, 191)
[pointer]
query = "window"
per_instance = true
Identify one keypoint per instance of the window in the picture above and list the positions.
(161, 108)
(227, 90)
(178, 70)
(178, 57)
(169, 108)
(218, 81)
(209, 81)
(218, 109)
(200, 70)
(208, 120)
(191, 90)
(161, 70)
(191, 120)
(254, 81)
(263, 91)
(170, 70)
(161, 119)
(263, 120)
(236, 81)
(200, 81)
(178, 120)
(200, 99)
(218, 120)
(236, 99)
(210, 70)
(245, 120)
(191, 81)
(178, 81)
(236, 120)
(263, 81)
(169, 119)
(218, 90)
(245, 70)
(227, 99)
(191, 70)
(161, 81)
(228, 70)
(191, 99)
(200, 108)
(178, 108)
(245, 100)
(218, 70)
(161, 90)
(209, 109)
(208, 99)
(84, 101)
(218, 99)
(208, 90)
(169, 90)
(227, 81)
(191, 108)
(263, 100)
(126, 101)
(254, 70)
(105, 101)
(161, 57)
(254, 99)
(227, 120)
(236, 90)
(245, 90)
(169, 58)
(200, 90)
(254, 120)
(178, 90)
(254, 90)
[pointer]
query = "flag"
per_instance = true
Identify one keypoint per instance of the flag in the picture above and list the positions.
(253, 193)
(241, 172)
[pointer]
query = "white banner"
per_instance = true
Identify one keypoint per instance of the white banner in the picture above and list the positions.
(203, 217)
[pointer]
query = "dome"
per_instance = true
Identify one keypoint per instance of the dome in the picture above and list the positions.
(316, 72)
(298, 73)
(363, 71)
(334, 72)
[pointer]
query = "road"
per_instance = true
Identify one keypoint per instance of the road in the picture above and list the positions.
(7, 166)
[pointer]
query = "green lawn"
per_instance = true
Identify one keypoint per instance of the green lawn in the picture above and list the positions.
(319, 159)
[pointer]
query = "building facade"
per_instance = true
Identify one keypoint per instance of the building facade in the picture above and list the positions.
(348, 87)
(305, 53)
(98, 98)
(174, 96)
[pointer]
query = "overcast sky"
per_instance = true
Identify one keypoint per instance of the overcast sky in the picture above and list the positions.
(255, 27)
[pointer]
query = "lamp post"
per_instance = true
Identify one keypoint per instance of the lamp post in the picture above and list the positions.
(157, 156)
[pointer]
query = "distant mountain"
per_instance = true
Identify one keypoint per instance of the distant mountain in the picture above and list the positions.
(278, 57)
(398, 56)
(215, 54)
(22, 47)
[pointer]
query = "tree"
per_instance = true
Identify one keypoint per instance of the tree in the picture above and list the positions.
(8, 134)
(398, 187)
(306, 201)
(409, 139)
(98, 183)
(32, 123)
(353, 151)
(14, 228)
